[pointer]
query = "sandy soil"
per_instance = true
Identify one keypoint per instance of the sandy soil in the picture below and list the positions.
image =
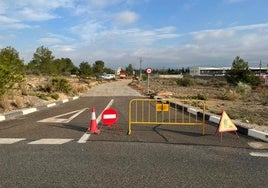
(250, 112)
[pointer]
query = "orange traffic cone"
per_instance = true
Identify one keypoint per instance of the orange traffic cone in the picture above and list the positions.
(93, 128)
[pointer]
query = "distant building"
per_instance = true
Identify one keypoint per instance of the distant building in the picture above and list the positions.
(220, 71)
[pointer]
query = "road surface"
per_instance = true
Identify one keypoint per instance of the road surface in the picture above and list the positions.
(51, 148)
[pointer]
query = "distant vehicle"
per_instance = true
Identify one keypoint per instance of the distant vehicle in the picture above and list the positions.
(108, 76)
(123, 74)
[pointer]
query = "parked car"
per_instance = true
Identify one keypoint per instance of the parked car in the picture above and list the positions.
(108, 76)
(123, 74)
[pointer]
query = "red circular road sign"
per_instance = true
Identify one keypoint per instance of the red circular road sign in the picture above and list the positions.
(149, 70)
(109, 116)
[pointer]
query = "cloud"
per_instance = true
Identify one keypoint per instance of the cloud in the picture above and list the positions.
(49, 40)
(126, 17)
(11, 23)
(35, 15)
(63, 48)
(33, 10)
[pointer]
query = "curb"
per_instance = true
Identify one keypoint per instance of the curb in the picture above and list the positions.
(216, 120)
(208, 117)
(34, 109)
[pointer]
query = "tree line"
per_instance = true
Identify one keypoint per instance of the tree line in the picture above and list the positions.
(13, 69)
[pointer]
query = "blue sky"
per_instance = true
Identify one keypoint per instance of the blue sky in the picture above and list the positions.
(165, 33)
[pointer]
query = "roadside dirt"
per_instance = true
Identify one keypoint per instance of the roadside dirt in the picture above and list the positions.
(251, 112)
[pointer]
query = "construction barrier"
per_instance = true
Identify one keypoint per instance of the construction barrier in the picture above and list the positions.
(167, 112)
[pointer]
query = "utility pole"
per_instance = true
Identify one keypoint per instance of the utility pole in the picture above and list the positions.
(260, 67)
(140, 66)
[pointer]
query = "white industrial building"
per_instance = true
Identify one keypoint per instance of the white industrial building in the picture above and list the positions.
(220, 71)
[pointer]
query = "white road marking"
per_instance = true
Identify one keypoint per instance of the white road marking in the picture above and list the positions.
(51, 141)
(56, 119)
(10, 140)
(259, 154)
(86, 135)
(2, 118)
(28, 111)
(258, 145)
(84, 138)
(65, 100)
(50, 105)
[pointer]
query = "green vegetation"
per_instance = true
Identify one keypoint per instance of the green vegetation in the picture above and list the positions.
(185, 82)
(11, 69)
(240, 72)
(58, 85)
(243, 88)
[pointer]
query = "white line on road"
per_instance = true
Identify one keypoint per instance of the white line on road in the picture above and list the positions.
(51, 141)
(84, 138)
(86, 135)
(10, 140)
(56, 119)
(259, 154)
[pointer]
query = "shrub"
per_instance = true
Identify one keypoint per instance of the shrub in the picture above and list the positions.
(229, 95)
(201, 97)
(58, 85)
(4, 103)
(79, 89)
(55, 96)
(185, 82)
(23, 88)
(18, 101)
(243, 88)
(42, 96)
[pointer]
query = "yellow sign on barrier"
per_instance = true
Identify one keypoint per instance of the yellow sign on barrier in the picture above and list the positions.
(166, 112)
(162, 107)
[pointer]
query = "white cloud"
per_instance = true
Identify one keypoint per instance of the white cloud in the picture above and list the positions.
(49, 40)
(126, 17)
(33, 10)
(35, 15)
(90, 31)
(63, 48)
(11, 23)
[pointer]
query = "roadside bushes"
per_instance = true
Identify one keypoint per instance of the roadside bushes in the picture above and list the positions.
(243, 88)
(58, 85)
(185, 82)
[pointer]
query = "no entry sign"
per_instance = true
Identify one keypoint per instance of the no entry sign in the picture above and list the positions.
(109, 116)
(149, 70)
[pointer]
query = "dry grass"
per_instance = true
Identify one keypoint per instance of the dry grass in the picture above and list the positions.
(19, 101)
(248, 107)
(4, 103)
(79, 88)
(32, 93)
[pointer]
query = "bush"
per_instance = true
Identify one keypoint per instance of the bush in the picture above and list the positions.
(18, 101)
(201, 97)
(42, 96)
(243, 88)
(229, 95)
(185, 82)
(4, 102)
(55, 96)
(58, 85)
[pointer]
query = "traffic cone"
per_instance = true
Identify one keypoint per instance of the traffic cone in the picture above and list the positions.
(93, 128)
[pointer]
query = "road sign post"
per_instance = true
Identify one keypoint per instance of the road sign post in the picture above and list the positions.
(148, 71)
(109, 117)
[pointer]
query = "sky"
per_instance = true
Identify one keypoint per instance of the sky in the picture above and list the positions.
(161, 34)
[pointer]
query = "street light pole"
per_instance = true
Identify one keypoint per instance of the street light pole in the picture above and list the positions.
(140, 66)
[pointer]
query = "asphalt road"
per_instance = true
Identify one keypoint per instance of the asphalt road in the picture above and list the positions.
(43, 149)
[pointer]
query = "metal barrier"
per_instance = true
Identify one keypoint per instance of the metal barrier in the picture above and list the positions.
(166, 112)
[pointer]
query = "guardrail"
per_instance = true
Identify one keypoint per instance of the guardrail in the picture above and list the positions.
(166, 112)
